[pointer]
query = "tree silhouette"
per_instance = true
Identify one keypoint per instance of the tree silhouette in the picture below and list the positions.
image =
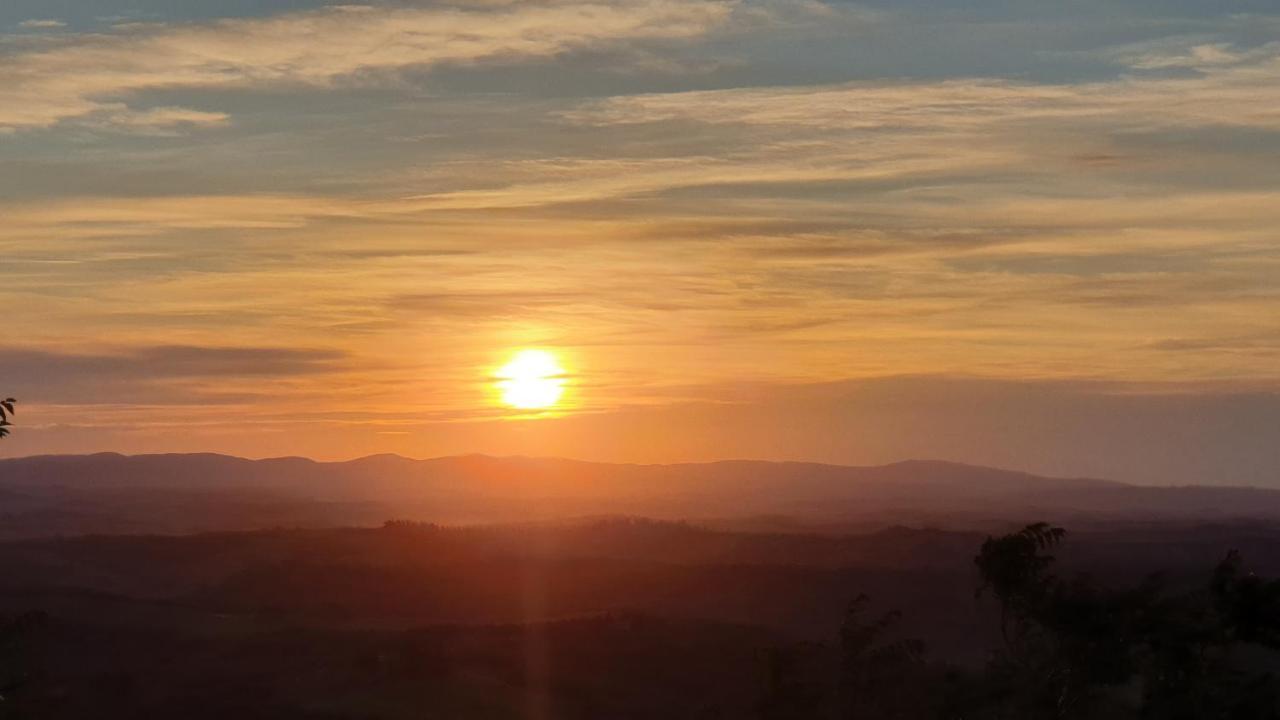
(1077, 649)
(15, 631)
(1073, 649)
(6, 412)
(878, 676)
(1016, 569)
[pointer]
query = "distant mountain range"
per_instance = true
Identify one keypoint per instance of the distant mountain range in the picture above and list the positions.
(109, 493)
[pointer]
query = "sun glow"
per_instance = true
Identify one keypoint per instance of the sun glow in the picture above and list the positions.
(532, 380)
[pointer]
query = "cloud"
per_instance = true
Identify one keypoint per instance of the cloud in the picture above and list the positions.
(36, 24)
(106, 216)
(1247, 343)
(158, 120)
(482, 305)
(1188, 53)
(1235, 89)
(162, 373)
(168, 361)
(343, 44)
(934, 143)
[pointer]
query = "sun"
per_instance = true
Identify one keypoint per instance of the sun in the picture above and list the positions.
(531, 380)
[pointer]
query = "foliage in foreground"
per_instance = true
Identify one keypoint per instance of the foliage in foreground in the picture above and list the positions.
(6, 412)
(1071, 649)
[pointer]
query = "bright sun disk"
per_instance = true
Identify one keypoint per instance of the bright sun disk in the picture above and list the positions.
(532, 380)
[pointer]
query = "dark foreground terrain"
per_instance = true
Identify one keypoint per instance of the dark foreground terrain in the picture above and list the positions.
(629, 618)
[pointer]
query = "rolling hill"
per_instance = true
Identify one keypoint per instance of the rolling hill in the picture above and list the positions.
(109, 493)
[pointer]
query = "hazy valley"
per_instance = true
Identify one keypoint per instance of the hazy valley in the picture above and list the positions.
(386, 587)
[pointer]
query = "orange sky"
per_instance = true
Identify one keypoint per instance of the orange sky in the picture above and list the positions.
(281, 228)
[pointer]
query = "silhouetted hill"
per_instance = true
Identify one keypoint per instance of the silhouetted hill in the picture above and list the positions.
(180, 493)
(407, 574)
(633, 617)
(614, 666)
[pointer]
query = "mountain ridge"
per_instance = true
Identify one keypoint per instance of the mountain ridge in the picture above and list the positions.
(109, 492)
(728, 462)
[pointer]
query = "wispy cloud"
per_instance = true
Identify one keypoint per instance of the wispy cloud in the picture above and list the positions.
(37, 24)
(1182, 53)
(162, 373)
(1235, 89)
(344, 44)
(158, 120)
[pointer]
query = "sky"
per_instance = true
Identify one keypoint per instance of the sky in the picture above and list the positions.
(1033, 234)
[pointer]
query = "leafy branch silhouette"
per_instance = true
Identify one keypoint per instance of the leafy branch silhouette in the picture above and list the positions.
(6, 412)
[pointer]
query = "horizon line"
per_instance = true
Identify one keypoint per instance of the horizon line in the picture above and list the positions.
(559, 458)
